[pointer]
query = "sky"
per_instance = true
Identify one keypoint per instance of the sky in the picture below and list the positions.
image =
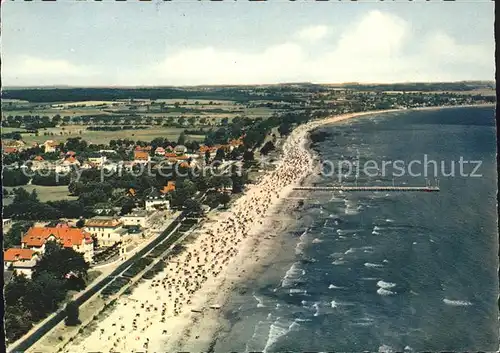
(186, 42)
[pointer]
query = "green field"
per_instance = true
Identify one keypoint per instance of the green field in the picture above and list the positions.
(104, 137)
(45, 193)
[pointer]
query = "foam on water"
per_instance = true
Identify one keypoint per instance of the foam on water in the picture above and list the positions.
(292, 274)
(259, 302)
(302, 243)
(278, 329)
(384, 292)
(317, 241)
(332, 286)
(297, 291)
(385, 349)
(385, 285)
(456, 302)
(372, 265)
(338, 262)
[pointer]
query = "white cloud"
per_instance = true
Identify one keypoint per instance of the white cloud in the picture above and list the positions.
(211, 66)
(313, 33)
(371, 50)
(378, 47)
(51, 69)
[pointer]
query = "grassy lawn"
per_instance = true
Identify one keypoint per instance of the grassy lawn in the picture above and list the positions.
(45, 193)
(105, 136)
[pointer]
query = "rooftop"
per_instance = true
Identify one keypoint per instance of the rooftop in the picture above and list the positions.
(15, 254)
(103, 222)
(69, 237)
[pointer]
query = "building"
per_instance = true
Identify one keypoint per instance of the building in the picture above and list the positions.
(18, 145)
(141, 157)
(107, 230)
(6, 224)
(97, 161)
(9, 150)
(135, 218)
(78, 239)
(71, 160)
(160, 151)
(168, 188)
(50, 146)
(156, 201)
(20, 261)
(180, 149)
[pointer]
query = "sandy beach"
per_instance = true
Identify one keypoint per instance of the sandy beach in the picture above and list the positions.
(178, 309)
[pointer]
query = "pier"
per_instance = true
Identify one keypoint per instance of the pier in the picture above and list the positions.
(370, 188)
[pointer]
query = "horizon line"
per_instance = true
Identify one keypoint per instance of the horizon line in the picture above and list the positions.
(221, 85)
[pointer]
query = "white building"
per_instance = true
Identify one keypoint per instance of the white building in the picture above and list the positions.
(6, 224)
(158, 203)
(135, 218)
(20, 261)
(107, 230)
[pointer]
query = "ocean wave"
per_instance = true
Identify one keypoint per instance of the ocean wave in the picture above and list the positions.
(456, 302)
(338, 262)
(350, 251)
(384, 292)
(372, 265)
(334, 304)
(317, 241)
(385, 285)
(293, 274)
(259, 302)
(297, 291)
(364, 321)
(385, 349)
(277, 330)
(332, 286)
(317, 307)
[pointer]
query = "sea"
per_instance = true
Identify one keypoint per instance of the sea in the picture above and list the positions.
(384, 271)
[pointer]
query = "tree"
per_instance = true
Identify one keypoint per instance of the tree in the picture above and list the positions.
(284, 129)
(60, 262)
(220, 155)
(72, 314)
(13, 237)
(182, 139)
(224, 198)
(268, 147)
(207, 157)
(193, 207)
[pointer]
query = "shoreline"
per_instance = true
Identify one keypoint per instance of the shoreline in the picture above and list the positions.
(241, 232)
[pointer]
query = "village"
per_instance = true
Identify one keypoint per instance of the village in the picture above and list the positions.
(107, 229)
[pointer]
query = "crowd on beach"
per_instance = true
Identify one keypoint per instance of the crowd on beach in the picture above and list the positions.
(149, 318)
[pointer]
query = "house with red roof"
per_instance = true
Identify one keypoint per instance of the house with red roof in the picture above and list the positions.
(20, 261)
(9, 150)
(160, 151)
(78, 239)
(141, 157)
(71, 160)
